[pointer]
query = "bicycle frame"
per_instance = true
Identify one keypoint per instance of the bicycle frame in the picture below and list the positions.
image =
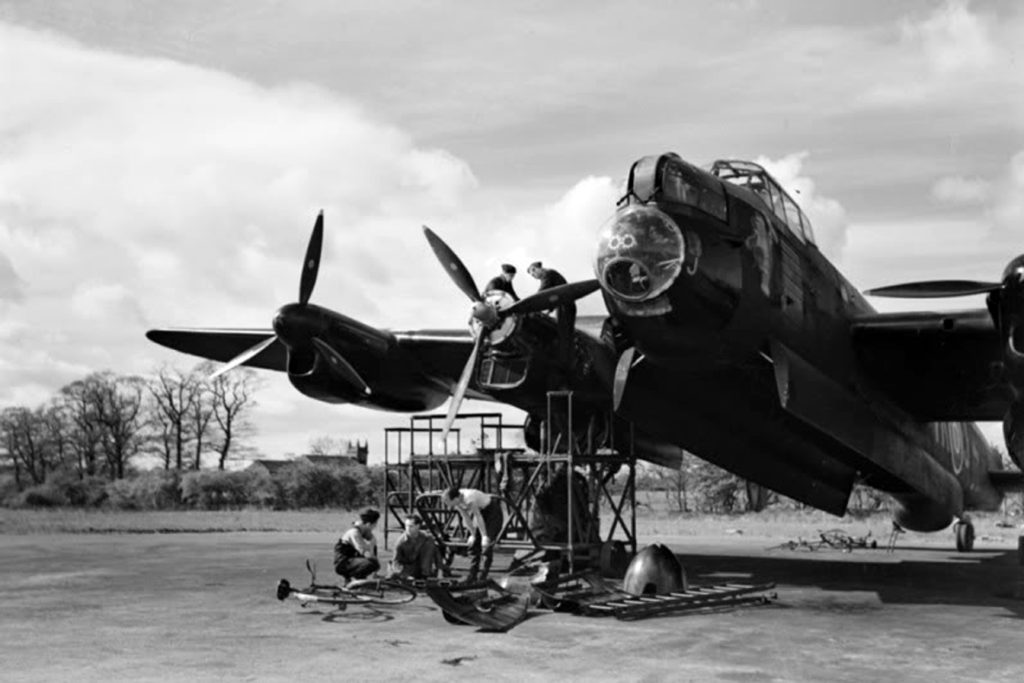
(361, 591)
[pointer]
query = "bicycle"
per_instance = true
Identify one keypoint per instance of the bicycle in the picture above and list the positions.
(836, 539)
(369, 591)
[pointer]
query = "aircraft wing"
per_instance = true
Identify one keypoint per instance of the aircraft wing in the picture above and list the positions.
(222, 345)
(441, 353)
(937, 366)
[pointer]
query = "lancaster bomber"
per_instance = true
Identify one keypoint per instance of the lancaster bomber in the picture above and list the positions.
(728, 334)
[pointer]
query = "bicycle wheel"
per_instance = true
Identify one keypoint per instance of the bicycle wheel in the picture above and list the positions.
(381, 592)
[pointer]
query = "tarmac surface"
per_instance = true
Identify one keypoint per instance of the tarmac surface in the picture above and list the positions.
(202, 607)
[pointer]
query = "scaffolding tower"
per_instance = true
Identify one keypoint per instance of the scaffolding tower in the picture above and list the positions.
(555, 501)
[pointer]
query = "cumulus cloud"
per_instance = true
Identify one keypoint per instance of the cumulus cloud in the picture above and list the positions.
(974, 245)
(137, 191)
(828, 217)
(953, 38)
(955, 58)
(960, 190)
(11, 286)
(142, 192)
(98, 302)
(1008, 200)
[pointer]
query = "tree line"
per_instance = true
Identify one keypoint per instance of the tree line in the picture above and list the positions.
(98, 426)
(699, 486)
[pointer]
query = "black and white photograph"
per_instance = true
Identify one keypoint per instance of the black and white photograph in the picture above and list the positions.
(511, 341)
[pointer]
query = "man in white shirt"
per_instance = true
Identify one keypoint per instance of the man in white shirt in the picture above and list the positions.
(482, 516)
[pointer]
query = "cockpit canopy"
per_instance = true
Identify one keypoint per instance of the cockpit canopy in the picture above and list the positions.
(753, 177)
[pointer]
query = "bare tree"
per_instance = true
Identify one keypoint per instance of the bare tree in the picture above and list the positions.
(57, 430)
(85, 432)
(673, 481)
(175, 394)
(199, 417)
(327, 445)
(25, 439)
(233, 397)
(119, 402)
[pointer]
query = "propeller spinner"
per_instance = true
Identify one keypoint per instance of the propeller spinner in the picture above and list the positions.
(489, 316)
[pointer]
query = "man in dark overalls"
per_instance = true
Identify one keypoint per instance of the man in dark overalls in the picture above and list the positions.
(566, 313)
(503, 281)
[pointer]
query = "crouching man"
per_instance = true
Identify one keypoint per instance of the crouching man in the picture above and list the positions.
(416, 555)
(355, 553)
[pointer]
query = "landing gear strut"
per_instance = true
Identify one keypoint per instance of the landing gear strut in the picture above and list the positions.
(964, 530)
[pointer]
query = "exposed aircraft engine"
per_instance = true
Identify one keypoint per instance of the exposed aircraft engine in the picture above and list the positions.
(654, 571)
(640, 254)
(492, 318)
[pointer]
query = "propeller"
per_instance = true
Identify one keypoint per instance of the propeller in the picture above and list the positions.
(551, 298)
(248, 354)
(1005, 303)
(311, 266)
(453, 265)
(307, 281)
(488, 315)
(935, 289)
(460, 389)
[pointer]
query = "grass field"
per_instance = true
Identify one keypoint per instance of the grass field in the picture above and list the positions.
(781, 525)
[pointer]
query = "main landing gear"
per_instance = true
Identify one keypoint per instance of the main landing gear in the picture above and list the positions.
(963, 528)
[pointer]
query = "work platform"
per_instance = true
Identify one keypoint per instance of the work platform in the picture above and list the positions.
(575, 498)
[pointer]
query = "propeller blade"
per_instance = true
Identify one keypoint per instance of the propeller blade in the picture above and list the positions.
(456, 270)
(248, 354)
(460, 390)
(311, 266)
(935, 289)
(340, 365)
(554, 297)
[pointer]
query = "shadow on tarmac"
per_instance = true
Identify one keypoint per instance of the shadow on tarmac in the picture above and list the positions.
(910, 576)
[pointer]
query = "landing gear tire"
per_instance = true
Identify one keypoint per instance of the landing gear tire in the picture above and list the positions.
(964, 536)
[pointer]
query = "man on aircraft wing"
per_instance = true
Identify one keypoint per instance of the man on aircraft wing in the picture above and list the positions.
(503, 281)
(566, 313)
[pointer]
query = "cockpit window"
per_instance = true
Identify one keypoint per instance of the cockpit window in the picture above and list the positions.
(753, 177)
(681, 184)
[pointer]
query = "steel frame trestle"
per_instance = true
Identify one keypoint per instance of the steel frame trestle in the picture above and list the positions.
(417, 467)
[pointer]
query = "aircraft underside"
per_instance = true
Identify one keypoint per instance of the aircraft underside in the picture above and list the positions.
(733, 416)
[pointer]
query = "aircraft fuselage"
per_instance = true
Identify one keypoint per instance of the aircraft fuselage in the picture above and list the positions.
(744, 355)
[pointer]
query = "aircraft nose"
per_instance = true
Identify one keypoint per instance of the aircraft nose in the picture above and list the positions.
(640, 254)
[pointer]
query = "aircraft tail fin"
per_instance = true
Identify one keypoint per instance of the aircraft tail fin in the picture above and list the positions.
(1007, 481)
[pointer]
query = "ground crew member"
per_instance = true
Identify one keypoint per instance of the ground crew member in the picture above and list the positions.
(482, 516)
(355, 553)
(416, 554)
(503, 281)
(566, 313)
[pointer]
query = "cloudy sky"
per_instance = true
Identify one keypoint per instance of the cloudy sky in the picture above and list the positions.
(162, 162)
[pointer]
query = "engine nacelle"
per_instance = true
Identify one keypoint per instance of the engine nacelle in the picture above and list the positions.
(920, 513)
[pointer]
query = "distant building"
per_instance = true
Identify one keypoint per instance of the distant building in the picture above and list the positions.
(355, 454)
